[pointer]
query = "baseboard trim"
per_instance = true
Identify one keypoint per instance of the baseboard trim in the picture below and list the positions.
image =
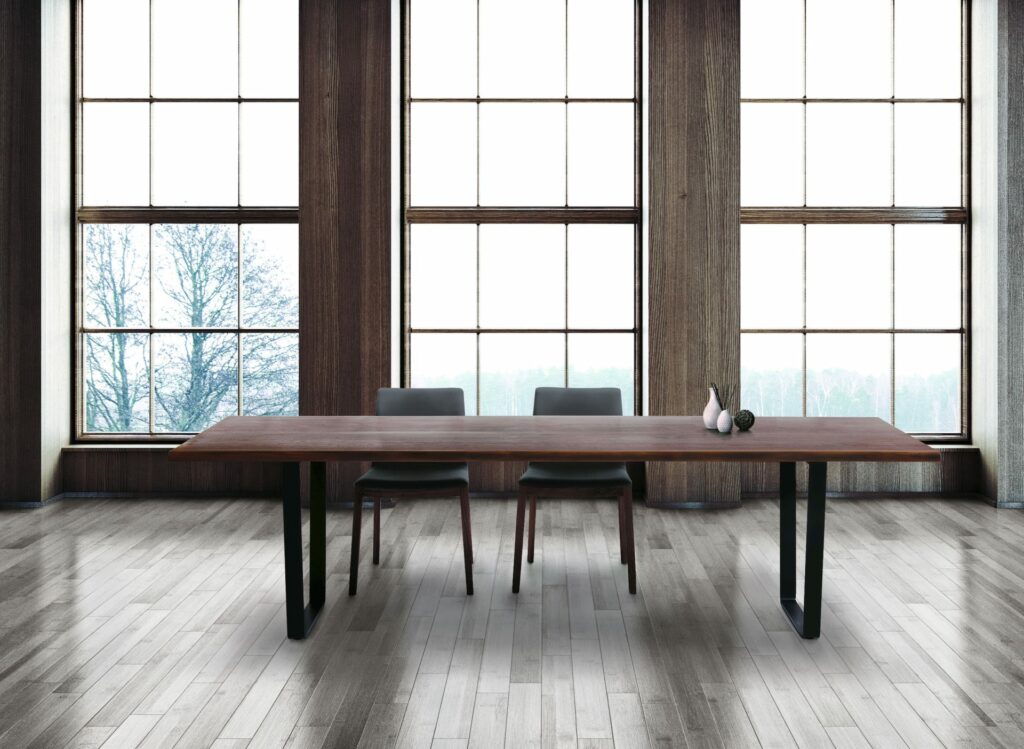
(29, 504)
(749, 496)
(878, 495)
(694, 505)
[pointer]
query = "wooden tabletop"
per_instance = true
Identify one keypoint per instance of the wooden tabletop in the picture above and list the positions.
(561, 438)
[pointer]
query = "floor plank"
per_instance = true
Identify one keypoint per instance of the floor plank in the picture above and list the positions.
(130, 623)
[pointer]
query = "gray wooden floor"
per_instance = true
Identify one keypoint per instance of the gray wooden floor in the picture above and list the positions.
(161, 623)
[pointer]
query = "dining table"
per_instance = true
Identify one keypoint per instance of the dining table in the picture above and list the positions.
(317, 440)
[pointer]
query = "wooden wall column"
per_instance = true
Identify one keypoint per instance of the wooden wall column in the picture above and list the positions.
(694, 271)
(997, 246)
(345, 215)
(35, 249)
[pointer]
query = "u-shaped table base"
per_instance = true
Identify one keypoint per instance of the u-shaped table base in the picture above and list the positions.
(300, 616)
(807, 620)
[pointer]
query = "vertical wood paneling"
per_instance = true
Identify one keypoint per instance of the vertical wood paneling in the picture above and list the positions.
(55, 241)
(20, 267)
(997, 272)
(1009, 318)
(146, 470)
(694, 226)
(344, 210)
(955, 475)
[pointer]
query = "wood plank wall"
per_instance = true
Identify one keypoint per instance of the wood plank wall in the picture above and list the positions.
(694, 250)
(345, 257)
(54, 205)
(20, 261)
(345, 211)
(955, 475)
(997, 260)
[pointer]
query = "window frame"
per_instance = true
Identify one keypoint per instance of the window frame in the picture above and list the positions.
(478, 215)
(891, 216)
(150, 215)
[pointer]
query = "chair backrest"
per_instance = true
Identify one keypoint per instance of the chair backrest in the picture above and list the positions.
(577, 402)
(421, 402)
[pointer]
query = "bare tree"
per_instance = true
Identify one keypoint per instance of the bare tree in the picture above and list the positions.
(196, 284)
(115, 277)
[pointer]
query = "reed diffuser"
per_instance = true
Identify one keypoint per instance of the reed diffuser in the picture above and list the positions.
(724, 395)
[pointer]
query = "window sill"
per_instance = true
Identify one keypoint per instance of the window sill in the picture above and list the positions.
(114, 446)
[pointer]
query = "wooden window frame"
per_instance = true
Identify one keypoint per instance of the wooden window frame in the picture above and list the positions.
(893, 215)
(479, 215)
(149, 215)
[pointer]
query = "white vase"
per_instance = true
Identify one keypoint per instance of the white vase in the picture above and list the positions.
(725, 422)
(712, 410)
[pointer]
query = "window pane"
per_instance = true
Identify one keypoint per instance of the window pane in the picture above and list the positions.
(601, 275)
(771, 49)
(115, 259)
(928, 383)
(269, 169)
(928, 276)
(928, 159)
(443, 154)
(270, 374)
(771, 276)
(771, 373)
(849, 49)
(269, 48)
(848, 374)
(928, 49)
(849, 160)
(522, 276)
(601, 154)
(270, 275)
(443, 48)
(603, 360)
(601, 55)
(443, 275)
(513, 365)
(195, 154)
(445, 360)
(772, 154)
(522, 154)
(115, 154)
(849, 271)
(522, 48)
(115, 48)
(116, 380)
(195, 275)
(195, 48)
(196, 380)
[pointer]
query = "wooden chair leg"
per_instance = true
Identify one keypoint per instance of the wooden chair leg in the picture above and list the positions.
(357, 524)
(467, 539)
(376, 530)
(533, 528)
(517, 564)
(622, 529)
(627, 500)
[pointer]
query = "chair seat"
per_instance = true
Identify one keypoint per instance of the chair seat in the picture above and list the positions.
(415, 476)
(576, 474)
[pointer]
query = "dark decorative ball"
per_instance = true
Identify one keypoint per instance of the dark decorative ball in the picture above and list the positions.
(743, 420)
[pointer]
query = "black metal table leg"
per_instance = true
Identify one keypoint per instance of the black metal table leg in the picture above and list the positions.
(300, 616)
(807, 620)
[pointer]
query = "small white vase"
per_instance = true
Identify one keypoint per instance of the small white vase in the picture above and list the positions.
(712, 410)
(725, 422)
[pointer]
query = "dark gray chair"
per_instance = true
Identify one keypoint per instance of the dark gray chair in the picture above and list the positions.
(576, 479)
(412, 480)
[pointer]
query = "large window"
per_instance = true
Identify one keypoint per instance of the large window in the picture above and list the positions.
(187, 208)
(853, 187)
(521, 198)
